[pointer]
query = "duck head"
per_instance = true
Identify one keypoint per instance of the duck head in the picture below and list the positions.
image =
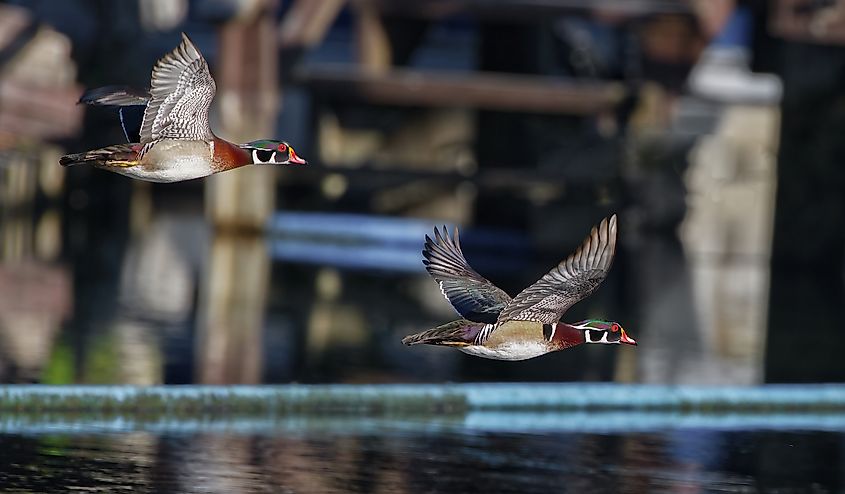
(269, 152)
(606, 332)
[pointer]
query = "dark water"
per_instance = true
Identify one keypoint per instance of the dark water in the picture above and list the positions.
(415, 457)
(174, 301)
(180, 303)
(125, 283)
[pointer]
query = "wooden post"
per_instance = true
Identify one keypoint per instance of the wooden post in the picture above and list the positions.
(727, 236)
(238, 205)
(234, 294)
(307, 22)
(248, 103)
(372, 43)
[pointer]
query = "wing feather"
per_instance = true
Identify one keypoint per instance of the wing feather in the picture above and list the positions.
(574, 279)
(115, 96)
(180, 95)
(472, 295)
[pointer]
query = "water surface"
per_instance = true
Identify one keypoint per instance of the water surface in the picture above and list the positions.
(419, 456)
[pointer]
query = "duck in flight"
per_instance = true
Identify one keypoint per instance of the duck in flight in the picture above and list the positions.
(174, 140)
(497, 327)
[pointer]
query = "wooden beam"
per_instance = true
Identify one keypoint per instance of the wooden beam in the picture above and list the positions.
(803, 21)
(372, 44)
(506, 92)
(526, 10)
(307, 22)
(39, 112)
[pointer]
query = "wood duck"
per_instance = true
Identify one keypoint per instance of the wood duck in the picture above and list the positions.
(497, 327)
(175, 141)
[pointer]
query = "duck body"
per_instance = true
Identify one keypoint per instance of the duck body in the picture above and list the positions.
(175, 142)
(499, 327)
(172, 160)
(512, 340)
(169, 160)
(521, 340)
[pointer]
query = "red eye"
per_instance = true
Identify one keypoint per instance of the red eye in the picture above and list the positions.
(282, 147)
(614, 328)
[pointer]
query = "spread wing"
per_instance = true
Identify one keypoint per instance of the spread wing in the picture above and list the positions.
(180, 94)
(472, 295)
(573, 279)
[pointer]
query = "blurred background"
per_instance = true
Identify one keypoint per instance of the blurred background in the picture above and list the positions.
(712, 128)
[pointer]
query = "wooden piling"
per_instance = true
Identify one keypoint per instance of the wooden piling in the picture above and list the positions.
(248, 103)
(238, 206)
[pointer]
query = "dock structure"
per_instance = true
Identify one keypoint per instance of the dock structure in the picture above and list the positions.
(38, 89)
(423, 399)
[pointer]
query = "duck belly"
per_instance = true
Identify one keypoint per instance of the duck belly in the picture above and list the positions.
(174, 161)
(513, 340)
(512, 350)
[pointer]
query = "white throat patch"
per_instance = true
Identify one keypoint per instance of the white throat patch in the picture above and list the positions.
(587, 339)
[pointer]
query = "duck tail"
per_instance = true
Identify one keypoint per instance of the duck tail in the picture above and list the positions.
(118, 155)
(456, 333)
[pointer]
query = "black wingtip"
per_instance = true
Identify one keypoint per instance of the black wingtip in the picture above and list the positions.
(437, 235)
(426, 252)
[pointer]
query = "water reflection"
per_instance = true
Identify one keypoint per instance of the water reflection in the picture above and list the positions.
(128, 283)
(727, 235)
(36, 292)
(191, 304)
(414, 457)
(231, 322)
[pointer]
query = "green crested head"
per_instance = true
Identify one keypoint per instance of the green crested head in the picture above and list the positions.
(597, 324)
(607, 332)
(270, 152)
